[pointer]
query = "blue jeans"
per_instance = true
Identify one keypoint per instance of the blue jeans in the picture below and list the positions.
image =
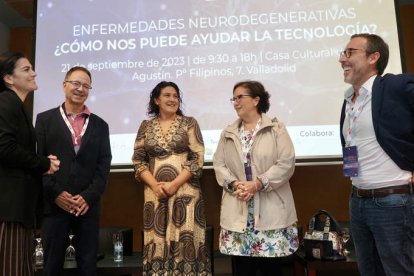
(383, 233)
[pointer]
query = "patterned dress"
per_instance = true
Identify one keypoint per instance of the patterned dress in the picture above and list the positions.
(174, 228)
(253, 242)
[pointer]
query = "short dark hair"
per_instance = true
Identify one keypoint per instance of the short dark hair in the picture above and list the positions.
(8, 62)
(256, 89)
(153, 109)
(78, 68)
(376, 44)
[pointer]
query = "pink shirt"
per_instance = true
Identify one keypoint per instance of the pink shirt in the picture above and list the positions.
(77, 122)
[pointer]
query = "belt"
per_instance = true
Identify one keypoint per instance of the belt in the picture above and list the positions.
(382, 192)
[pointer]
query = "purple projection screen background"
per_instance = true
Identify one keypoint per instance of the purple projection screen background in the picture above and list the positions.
(206, 46)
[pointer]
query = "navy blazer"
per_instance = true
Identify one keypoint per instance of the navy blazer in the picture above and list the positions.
(85, 172)
(393, 117)
(20, 167)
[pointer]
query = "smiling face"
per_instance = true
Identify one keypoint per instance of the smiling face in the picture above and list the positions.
(244, 105)
(168, 101)
(360, 65)
(76, 96)
(22, 80)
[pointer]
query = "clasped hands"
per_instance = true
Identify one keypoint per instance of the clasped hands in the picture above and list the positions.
(244, 190)
(164, 189)
(75, 205)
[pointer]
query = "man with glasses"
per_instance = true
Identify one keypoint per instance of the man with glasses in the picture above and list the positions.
(377, 127)
(72, 197)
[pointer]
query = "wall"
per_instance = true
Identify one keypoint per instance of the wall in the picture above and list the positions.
(407, 34)
(314, 187)
(4, 37)
(21, 40)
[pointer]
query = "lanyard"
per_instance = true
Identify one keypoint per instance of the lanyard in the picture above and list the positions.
(353, 113)
(72, 131)
(248, 141)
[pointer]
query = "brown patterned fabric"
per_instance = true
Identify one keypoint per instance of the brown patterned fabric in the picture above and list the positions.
(174, 228)
(16, 249)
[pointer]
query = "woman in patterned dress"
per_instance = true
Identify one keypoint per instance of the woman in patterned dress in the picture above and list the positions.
(253, 163)
(168, 158)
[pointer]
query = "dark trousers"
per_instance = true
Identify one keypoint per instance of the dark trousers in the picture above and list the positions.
(249, 266)
(55, 232)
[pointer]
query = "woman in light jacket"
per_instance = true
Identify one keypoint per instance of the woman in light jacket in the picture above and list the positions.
(253, 163)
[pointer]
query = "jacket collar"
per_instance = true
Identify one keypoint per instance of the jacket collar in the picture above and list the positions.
(233, 129)
(376, 100)
(68, 135)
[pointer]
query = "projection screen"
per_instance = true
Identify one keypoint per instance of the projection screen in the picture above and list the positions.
(206, 46)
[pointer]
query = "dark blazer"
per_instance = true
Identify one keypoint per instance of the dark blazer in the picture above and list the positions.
(393, 117)
(84, 173)
(20, 167)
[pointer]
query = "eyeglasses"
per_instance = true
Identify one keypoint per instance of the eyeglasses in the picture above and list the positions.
(78, 84)
(348, 52)
(238, 98)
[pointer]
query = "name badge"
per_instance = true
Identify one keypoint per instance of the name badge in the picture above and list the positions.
(350, 155)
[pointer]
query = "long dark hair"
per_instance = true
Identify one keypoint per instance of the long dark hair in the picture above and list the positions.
(8, 62)
(153, 109)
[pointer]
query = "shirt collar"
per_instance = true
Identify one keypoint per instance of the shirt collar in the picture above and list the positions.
(86, 112)
(367, 86)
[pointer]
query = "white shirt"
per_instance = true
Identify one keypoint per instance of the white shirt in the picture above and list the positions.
(376, 169)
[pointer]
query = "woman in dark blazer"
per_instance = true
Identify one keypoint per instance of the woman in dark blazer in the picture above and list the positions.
(20, 167)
